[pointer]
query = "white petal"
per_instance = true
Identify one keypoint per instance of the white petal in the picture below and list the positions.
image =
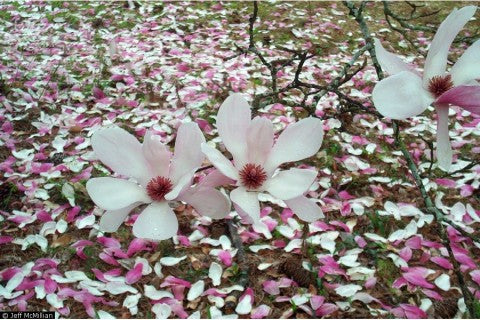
(112, 219)
(347, 290)
(443, 282)
(208, 202)
(122, 152)
(161, 310)
(14, 281)
(171, 261)
(113, 194)
(188, 156)
(401, 96)
(154, 294)
(298, 141)
(467, 67)
(436, 61)
(215, 273)
(444, 148)
(220, 162)
(233, 119)
(259, 140)
(247, 201)
(305, 209)
(196, 290)
(156, 222)
(291, 183)
(157, 154)
(390, 62)
(244, 306)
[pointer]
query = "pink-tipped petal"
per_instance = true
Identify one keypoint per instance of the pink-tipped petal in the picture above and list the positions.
(156, 222)
(298, 141)
(157, 154)
(247, 201)
(182, 184)
(188, 155)
(122, 152)
(112, 219)
(259, 140)
(233, 120)
(436, 61)
(215, 179)
(291, 183)
(467, 97)
(208, 202)
(444, 148)
(114, 194)
(305, 209)
(220, 162)
(390, 62)
(467, 67)
(401, 96)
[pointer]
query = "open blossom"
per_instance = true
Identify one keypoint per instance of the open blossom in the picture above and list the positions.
(256, 158)
(406, 93)
(159, 177)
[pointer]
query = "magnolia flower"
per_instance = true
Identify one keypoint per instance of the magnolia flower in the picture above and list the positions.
(407, 93)
(256, 158)
(159, 178)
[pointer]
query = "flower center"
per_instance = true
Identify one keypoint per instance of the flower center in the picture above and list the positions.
(439, 84)
(252, 176)
(158, 187)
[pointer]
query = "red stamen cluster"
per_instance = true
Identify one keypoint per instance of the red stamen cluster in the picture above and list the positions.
(252, 176)
(158, 187)
(439, 84)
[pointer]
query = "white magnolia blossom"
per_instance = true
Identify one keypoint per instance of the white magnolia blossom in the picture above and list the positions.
(157, 177)
(407, 93)
(256, 158)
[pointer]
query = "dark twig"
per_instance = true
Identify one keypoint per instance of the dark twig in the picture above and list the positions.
(241, 259)
(439, 218)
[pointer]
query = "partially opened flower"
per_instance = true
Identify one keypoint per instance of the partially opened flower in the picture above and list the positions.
(406, 93)
(256, 158)
(158, 178)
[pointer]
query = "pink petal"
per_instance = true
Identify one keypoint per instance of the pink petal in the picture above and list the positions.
(442, 262)
(326, 309)
(401, 96)
(114, 194)
(444, 148)
(466, 97)
(475, 276)
(135, 246)
(317, 301)
(122, 152)
(271, 287)
(259, 140)
(156, 222)
(467, 67)
(413, 312)
(135, 274)
(233, 120)
(416, 278)
(188, 155)
(261, 312)
(298, 141)
(436, 61)
(305, 209)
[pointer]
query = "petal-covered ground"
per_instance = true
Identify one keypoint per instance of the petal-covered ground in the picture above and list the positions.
(70, 68)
